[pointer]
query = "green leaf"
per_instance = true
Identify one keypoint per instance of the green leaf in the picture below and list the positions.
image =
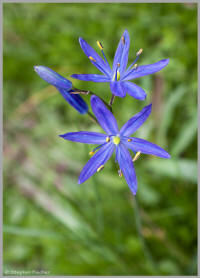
(183, 169)
(186, 135)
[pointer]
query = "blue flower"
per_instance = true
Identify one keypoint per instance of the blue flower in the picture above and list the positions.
(115, 140)
(118, 76)
(64, 86)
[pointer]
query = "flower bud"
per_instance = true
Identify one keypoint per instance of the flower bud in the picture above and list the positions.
(64, 86)
(53, 77)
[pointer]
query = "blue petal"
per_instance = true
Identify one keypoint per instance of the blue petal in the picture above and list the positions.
(121, 54)
(145, 70)
(85, 137)
(91, 77)
(134, 90)
(98, 159)
(117, 89)
(53, 77)
(136, 121)
(104, 116)
(145, 147)
(99, 62)
(126, 165)
(74, 100)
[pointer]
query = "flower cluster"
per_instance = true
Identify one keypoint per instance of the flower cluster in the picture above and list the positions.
(114, 139)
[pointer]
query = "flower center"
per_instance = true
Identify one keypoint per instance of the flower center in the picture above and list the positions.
(116, 140)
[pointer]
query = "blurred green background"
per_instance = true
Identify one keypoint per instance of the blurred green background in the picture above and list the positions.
(50, 223)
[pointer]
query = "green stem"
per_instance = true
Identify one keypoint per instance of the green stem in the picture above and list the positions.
(100, 218)
(112, 101)
(83, 92)
(138, 222)
(92, 117)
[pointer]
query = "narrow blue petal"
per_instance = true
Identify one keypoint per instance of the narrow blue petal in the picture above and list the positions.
(133, 90)
(53, 77)
(117, 89)
(74, 100)
(104, 116)
(145, 147)
(91, 77)
(145, 70)
(98, 61)
(98, 159)
(136, 121)
(85, 137)
(126, 165)
(121, 54)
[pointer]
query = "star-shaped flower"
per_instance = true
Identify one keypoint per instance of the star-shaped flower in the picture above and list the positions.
(118, 76)
(64, 86)
(115, 140)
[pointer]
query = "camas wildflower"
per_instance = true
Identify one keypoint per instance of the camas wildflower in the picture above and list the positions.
(64, 86)
(115, 140)
(118, 76)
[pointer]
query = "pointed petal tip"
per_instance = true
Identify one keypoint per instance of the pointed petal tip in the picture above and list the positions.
(93, 98)
(36, 68)
(143, 98)
(148, 108)
(79, 181)
(165, 62)
(126, 32)
(168, 156)
(80, 40)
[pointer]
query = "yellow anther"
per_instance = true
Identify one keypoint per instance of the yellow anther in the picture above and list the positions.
(91, 153)
(116, 140)
(135, 66)
(123, 39)
(107, 139)
(100, 168)
(129, 140)
(118, 76)
(136, 156)
(139, 52)
(99, 45)
(92, 59)
(120, 173)
(118, 65)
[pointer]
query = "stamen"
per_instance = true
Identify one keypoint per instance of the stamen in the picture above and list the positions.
(117, 73)
(120, 173)
(135, 66)
(107, 139)
(91, 153)
(99, 45)
(129, 140)
(101, 48)
(136, 156)
(139, 52)
(123, 39)
(92, 59)
(100, 168)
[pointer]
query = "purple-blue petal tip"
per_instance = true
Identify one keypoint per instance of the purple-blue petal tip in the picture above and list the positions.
(167, 155)
(52, 77)
(166, 61)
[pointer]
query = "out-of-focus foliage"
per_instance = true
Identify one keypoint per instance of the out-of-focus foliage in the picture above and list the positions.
(51, 223)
